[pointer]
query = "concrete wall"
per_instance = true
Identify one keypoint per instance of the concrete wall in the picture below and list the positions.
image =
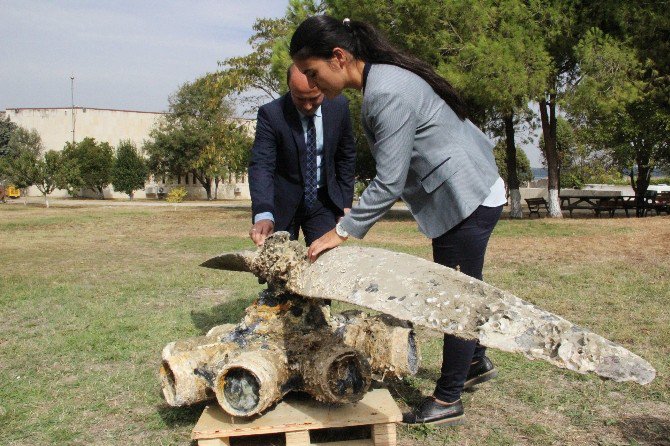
(112, 126)
(55, 124)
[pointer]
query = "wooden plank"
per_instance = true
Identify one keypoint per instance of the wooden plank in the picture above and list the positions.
(384, 434)
(346, 443)
(296, 414)
(214, 442)
(297, 438)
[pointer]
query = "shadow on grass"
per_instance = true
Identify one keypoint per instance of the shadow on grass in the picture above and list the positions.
(230, 312)
(646, 430)
(180, 416)
(402, 390)
(398, 215)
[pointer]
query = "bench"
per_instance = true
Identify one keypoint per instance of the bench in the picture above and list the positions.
(597, 201)
(534, 205)
(657, 201)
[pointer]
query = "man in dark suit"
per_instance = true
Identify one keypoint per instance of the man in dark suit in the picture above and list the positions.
(301, 173)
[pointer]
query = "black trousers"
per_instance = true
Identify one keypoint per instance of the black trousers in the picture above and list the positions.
(314, 221)
(463, 247)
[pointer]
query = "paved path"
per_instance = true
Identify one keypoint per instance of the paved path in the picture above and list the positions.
(75, 202)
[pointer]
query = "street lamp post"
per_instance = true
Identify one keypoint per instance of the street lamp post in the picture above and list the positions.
(72, 93)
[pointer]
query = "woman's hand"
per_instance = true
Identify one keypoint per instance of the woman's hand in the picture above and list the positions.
(328, 240)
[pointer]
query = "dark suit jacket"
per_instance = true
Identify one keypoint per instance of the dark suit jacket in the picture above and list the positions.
(278, 158)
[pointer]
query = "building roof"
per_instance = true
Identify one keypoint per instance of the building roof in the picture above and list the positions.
(17, 109)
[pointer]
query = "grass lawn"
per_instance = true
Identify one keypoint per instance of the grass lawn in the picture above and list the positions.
(89, 296)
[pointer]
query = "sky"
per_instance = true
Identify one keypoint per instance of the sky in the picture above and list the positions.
(127, 55)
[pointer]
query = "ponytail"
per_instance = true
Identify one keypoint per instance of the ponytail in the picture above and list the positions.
(318, 35)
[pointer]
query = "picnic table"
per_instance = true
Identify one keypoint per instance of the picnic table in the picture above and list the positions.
(597, 201)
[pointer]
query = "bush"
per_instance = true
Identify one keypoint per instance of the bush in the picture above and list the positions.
(176, 195)
(129, 170)
(660, 180)
(359, 187)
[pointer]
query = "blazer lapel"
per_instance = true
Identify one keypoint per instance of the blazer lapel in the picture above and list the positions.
(293, 120)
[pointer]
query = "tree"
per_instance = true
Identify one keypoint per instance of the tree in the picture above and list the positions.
(578, 162)
(488, 50)
(264, 69)
(198, 127)
(21, 152)
(22, 140)
(524, 172)
(26, 165)
(129, 171)
(413, 25)
(93, 161)
(258, 70)
(234, 159)
(19, 170)
(7, 127)
(495, 61)
(50, 172)
(622, 95)
(562, 25)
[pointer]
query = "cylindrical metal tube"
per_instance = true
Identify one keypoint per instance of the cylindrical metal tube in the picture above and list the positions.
(389, 344)
(252, 381)
(180, 381)
(336, 374)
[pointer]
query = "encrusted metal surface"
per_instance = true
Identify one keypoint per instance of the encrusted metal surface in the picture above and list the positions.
(439, 298)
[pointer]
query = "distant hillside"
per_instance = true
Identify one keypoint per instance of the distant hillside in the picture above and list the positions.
(539, 173)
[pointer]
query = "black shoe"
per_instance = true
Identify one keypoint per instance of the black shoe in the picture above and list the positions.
(433, 412)
(480, 372)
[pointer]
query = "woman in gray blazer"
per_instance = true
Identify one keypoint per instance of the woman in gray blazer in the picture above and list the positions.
(428, 154)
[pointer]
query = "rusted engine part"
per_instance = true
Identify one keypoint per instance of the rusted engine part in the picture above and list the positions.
(389, 343)
(439, 298)
(284, 343)
(181, 358)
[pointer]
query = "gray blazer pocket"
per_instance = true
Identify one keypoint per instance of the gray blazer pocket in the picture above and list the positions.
(439, 175)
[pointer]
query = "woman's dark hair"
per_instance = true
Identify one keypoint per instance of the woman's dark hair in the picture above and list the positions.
(318, 35)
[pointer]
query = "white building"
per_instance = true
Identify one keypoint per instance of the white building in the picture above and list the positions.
(56, 126)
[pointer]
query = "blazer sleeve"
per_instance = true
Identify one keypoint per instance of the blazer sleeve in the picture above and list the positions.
(262, 166)
(392, 121)
(345, 158)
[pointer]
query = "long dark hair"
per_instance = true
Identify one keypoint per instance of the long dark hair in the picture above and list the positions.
(318, 35)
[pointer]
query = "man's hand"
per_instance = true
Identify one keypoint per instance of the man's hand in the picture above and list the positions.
(328, 240)
(261, 230)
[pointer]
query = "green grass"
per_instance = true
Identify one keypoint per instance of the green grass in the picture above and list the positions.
(89, 297)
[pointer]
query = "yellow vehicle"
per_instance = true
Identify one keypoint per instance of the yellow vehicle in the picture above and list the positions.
(12, 192)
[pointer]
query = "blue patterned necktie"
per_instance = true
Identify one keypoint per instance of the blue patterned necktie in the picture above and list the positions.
(310, 174)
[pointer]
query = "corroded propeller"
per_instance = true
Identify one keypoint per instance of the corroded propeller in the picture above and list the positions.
(439, 298)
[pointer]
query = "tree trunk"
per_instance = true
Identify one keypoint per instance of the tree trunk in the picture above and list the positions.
(510, 159)
(130, 196)
(205, 182)
(643, 178)
(551, 153)
(46, 201)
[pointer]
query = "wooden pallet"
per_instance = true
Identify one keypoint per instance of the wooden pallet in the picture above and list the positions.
(303, 422)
